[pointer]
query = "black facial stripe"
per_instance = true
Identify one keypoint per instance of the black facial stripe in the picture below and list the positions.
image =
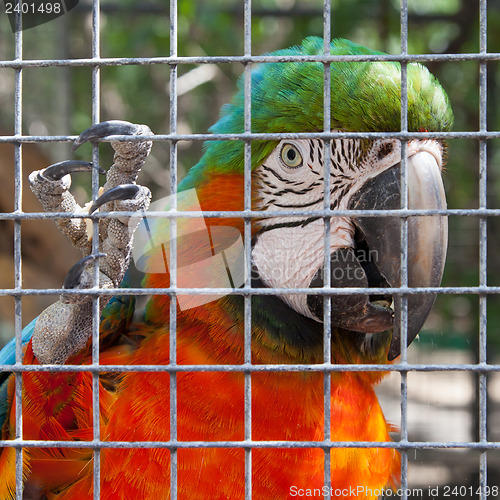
(305, 190)
(311, 150)
(345, 157)
(301, 223)
(299, 206)
(282, 179)
(265, 182)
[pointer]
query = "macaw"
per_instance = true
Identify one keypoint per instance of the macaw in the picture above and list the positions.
(287, 252)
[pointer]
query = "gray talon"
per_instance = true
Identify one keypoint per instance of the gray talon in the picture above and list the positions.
(72, 279)
(121, 192)
(65, 326)
(57, 171)
(105, 129)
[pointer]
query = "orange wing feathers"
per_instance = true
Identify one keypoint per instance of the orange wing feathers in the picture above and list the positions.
(135, 406)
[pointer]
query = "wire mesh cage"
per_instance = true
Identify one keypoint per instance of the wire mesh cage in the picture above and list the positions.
(171, 66)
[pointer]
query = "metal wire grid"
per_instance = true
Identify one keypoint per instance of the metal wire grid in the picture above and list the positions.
(403, 367)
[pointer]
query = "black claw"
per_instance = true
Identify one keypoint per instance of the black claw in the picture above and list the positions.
(121, 192)
(105, 129)
(72, 279)
(57, 171)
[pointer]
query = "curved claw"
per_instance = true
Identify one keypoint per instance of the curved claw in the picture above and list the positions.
(105, 129)
(72, 279)
(57, 171)
(121, 192)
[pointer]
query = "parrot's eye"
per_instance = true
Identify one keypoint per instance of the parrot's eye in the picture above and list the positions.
(290, 156)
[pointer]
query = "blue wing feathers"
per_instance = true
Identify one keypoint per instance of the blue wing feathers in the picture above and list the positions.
(115, 319)
(8, 357)
(8, 353)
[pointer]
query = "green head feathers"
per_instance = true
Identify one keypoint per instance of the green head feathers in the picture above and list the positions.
(288, 97)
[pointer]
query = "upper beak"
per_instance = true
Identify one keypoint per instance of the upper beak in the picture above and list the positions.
(427, 238)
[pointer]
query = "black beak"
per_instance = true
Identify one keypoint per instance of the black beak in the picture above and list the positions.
(376, 259)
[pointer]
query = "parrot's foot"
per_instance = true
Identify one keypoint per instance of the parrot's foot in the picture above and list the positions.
(64, 327)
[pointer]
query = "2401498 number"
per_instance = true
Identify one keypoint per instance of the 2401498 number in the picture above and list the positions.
(468, 491)
(33, 8)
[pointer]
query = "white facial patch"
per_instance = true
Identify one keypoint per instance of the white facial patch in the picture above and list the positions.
(289, 257)
(292, 178)
(289, 250)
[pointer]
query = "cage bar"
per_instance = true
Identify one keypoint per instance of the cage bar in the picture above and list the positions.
(247, 238)
(18, 276)
(173, 251)
(482, 376)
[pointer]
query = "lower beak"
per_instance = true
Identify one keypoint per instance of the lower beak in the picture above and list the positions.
(376, 259)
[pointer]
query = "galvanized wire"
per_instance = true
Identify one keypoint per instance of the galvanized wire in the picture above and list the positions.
(327, 303)
(247, 238)
(173, 251)
(403, 299)
(403, 367)
(96, 109)
(265, 136)
(256, 59)
(18, 158)
(482, 377)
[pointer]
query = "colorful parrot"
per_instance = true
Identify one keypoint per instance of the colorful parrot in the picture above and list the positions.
(287, 252)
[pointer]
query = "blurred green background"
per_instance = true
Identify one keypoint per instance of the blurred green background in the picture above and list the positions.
(57, 101)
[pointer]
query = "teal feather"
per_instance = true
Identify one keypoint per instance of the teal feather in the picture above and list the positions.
(4, 402)
(115, 319)
(8, 357)
(8, 353)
